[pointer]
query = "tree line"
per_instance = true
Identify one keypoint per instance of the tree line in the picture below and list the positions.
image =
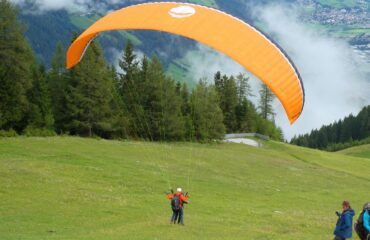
(351, 131)
(137, 100)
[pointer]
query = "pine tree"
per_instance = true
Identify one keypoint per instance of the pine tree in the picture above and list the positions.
(245, 110)
(15, 69)
(186, 112)
(207, 115)
(230, 103)
(247, 116)
(244, 88)
(163, 106)
(120, 122)
(131, 88)
(265, 102)
(228, 93)
(56, 80)
(89, 96)
(40, 115)
(219, 83)
(173, 121)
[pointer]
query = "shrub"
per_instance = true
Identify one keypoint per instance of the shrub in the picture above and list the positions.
(38, 132)
(8, 133)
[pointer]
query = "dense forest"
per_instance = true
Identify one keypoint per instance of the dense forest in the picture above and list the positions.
(136, 101)
(351, 131)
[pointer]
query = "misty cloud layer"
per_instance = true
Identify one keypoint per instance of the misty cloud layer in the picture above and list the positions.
(40, 6)
(334, 86)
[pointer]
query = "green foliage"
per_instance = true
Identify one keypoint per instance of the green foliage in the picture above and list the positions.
(240, 114)
(186, 110)
(228, 92)
(268, 128)
(163, 106)
(340, 146)
(151, 99)
(265, 102)
(15, 69)
(56, 80)
(363, 150)
(40, 115)
(38, 132)
(8, 133)
(207, 116)
(351, 131)
(89, 96)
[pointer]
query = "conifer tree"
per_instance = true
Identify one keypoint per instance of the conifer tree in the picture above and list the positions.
(246, 112)
(186, 112)
(56, 80)
(131, 88)
(89, 96)
(265, 103)
(40, 114)
(230, 103)
(15, 69)
(163, 106)
(207, 115)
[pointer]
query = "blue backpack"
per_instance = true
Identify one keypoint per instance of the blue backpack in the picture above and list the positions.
(176, 203)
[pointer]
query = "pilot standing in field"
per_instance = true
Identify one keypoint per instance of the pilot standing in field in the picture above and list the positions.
(178, 200)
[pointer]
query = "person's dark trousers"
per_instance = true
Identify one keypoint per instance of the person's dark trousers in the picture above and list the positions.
(339, 238)
(181, 216)
(175, 216)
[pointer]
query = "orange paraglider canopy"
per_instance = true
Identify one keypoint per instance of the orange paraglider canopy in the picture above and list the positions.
(225, 33)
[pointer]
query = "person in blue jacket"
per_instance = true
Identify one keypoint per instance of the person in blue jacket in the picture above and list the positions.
(343, 229)
(366, 217)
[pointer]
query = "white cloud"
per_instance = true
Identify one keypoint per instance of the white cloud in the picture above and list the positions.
(204, 62)
(329, 69)
(40, 6)
(46, 5)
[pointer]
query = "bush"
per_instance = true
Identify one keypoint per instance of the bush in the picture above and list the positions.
(38, 132)
(341, 146)
(8, 133)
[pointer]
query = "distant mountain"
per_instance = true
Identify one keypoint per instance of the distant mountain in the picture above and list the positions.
(344, 19)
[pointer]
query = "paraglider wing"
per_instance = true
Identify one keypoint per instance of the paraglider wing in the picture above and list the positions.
(225, 33)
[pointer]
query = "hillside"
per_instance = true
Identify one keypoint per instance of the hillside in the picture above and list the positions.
(359, 151)
(72, 188)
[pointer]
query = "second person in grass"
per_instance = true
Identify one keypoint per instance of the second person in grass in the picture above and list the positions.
(178, 200)
(343, 229)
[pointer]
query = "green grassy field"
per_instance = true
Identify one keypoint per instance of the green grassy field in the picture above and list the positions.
(359, 151)
(209, 3)
(72, 188)
(83, 22)
(338, 3)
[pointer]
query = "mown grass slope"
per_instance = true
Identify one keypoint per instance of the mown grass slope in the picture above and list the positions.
(358, 151)
(72, 188)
